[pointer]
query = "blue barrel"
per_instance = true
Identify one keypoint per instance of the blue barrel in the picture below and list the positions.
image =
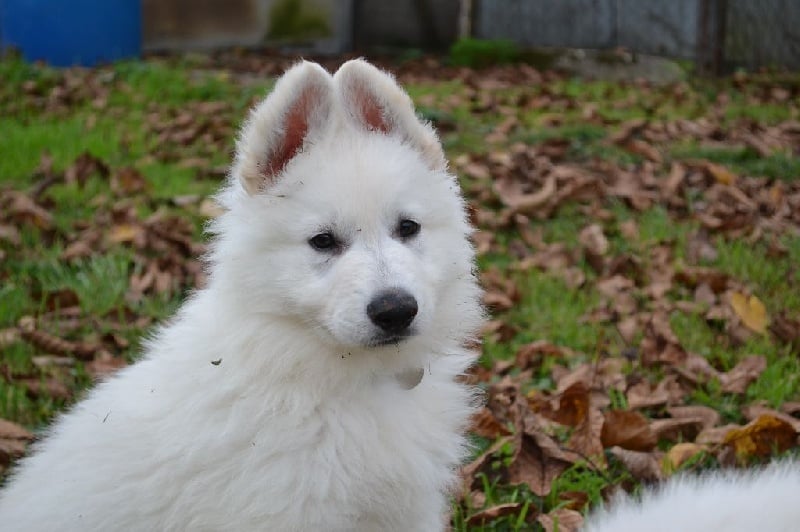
(72, 32)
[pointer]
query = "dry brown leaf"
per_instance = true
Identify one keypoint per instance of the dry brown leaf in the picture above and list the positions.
(787, 330)
(50, 388)
(127, 181)
(645, 149)
(512, 195)
(493, 512)
(679, 454)
(12, 431)
(210, 208)
(709, 416)
(538, 461)
(13, 442)
(586, 438)
(754, 411)
(594, 240)
(53, 344)
(751, 311)
(715, 435)
(761, 437)
(83, 167)
(682, 429)
(125, 232)
(629, 229)
(24, 210)
(720, 174)
(104, 364)
(10, 234)
(628, 430)
(497, 301)
(485, 424)
(530, 355)
(61, 299)
(571, 408)
(743, 374)
(643, 466)
(561, 520)
(8, 336)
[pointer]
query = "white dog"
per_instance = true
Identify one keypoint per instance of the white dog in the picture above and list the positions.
(313, 384)
(746, 501)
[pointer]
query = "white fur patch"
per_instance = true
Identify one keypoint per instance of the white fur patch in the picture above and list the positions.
(731, 501)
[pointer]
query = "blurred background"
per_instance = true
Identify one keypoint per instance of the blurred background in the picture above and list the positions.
(716, 34)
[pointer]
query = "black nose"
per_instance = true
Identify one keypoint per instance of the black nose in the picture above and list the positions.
(392, 310)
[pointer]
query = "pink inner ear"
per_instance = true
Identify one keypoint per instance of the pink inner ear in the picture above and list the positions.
(371, 113)
(295, 129)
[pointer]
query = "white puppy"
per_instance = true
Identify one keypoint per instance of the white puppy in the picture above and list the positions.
(313, 384)
(734, 501)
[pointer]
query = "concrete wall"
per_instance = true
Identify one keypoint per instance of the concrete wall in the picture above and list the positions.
(750, 32)
(658, 27)
(581, 23)
(763, 33)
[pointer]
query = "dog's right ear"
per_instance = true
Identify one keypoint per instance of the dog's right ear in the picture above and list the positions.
(293, 116)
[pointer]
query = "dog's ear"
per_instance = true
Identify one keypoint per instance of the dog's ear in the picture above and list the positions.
(374, 101)
(293, 116)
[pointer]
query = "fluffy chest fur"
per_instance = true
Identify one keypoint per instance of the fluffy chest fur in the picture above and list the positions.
(178, 443)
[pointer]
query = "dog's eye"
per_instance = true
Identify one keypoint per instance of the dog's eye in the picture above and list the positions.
(407, 228)
(323, 242)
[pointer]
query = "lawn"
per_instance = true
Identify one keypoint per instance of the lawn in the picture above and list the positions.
(638, 245)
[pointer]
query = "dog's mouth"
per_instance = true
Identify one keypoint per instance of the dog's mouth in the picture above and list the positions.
(389, 339)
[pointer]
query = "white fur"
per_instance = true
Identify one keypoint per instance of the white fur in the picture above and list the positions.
(302, 425)
(729, 501)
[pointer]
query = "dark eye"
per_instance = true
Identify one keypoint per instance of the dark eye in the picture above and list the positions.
(407, 228)
(323, 242)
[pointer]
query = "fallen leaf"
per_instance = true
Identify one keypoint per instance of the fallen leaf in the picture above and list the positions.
(679, 454)
(494, 512)
(720, 174)
(511, 194)
(127, 181)
(643, 466)
(123, 233)
(538, 462)
(743, 374)
(210, 208)
(682, 429)
(561, 520)
(761, 437)
(593, 239)
(628, 430)
(751, 311)
(12, 431)
(485, 424)
(708, 415)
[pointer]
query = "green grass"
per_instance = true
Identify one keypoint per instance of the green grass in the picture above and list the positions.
(744, 161)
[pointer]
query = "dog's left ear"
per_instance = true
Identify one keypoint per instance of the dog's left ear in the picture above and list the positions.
(375, 102)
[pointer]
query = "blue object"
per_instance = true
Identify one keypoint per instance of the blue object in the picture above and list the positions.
(72, 32)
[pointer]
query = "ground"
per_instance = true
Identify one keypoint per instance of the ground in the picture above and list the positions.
(639, 245)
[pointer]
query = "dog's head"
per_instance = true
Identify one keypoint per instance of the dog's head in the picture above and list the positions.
(342, 215)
